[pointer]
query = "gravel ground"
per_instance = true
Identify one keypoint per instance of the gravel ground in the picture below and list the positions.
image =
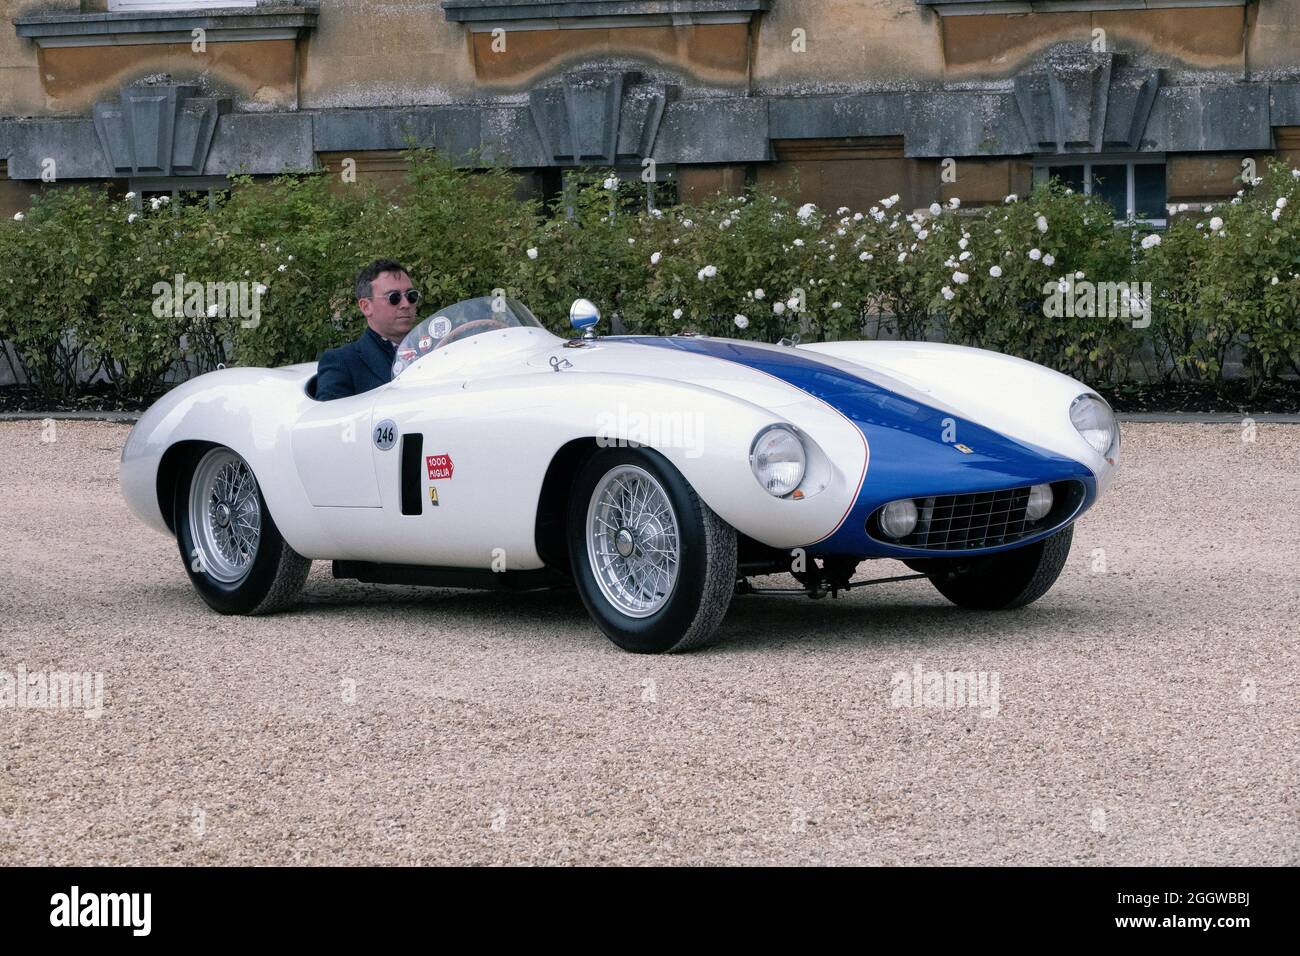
(1146, 709)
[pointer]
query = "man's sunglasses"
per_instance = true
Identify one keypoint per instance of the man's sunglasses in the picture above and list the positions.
(394, 297)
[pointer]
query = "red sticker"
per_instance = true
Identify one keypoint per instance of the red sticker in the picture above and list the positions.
(439, 466)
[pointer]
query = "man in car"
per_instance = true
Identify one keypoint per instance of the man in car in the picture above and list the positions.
(387, 300)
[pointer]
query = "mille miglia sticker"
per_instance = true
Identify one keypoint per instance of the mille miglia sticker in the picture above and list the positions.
(964, 449)
(438, 466)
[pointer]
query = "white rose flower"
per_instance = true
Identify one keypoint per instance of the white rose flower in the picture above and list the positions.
(1011, 198)
(864, 257)
(687, 223)
(806, 211)
(835, 305)
(798, 242)
(1276, 214)
(923, 234)
(963, 242)
(792, 303)
(1041, 223)
(839, 231)
(1049, 260)
(1216, 224)
(710, 271)
(259, 289)
(282, 268)
(759, 293)
(964, 256)
(857, 217)
(532, 252)
(611, 182)
(130, 195)
(935, 209)
(654, 258)
(842, 210)
(995, 272)
(954, 203)
(947, 293)
(657, 213)
(631, 241)
(1150, 241)
(1079, 274)
(902, 257)
(1274, 282)
(1281, 202)
(1035, 254)
(960, 278)
(778, 307)
(677, 313)
(742, 322)
(130, 218)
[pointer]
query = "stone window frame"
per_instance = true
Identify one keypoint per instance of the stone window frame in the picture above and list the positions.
(969, 8)
(264, 20)
(146, 6)
(1043, 162)
(484, 15)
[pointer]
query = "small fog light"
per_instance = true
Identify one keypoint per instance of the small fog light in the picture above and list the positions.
(1040, 502)
(898, 518)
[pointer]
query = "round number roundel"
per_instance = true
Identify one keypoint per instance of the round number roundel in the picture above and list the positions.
(385, 434)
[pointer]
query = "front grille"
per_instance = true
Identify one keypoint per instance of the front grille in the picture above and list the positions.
(981, 520)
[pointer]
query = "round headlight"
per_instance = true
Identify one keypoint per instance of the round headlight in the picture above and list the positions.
(778, 460)
(1040, 502)
(1096, 423)
(898, 518)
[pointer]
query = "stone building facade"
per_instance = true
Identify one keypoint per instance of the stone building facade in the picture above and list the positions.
(843, 101)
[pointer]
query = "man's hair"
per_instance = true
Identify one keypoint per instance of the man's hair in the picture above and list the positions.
(367, 276)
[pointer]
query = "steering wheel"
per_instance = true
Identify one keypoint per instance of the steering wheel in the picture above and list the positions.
(470, 328)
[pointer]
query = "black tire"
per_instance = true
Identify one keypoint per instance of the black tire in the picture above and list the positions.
(694, 607)
(273, 579)
(999, 582)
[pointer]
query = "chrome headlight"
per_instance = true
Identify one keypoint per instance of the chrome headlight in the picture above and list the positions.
(778, 460)
(1096, 423)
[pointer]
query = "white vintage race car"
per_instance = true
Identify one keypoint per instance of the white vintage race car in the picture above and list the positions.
(655, 474)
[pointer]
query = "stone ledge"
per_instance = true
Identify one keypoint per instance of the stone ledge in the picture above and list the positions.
(269, 22)
(960, 8)
(605, 12)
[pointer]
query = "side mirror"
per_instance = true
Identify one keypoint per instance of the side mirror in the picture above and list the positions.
(583, 315)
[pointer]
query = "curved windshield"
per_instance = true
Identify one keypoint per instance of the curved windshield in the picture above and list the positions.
(485, 314)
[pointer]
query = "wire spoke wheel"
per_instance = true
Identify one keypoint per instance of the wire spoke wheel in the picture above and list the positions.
(633, 542)
(225, 515)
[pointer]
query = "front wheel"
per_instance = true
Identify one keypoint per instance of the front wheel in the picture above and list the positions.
(655, 566)
(233, 552)
(998, 582)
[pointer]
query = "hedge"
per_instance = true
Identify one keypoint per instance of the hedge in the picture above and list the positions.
(83, 271)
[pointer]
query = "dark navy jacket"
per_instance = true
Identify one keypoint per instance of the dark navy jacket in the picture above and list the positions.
(356, 367)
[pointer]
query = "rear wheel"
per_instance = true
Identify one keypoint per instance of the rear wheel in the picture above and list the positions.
(1003, 581)
(655, 566)
(233, 552)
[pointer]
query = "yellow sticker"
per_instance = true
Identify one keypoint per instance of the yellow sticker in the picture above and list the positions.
(433, 496)
(964, 449)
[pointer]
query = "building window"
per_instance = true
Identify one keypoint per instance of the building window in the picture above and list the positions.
(180, 190)
(635, 193)
(1132, 186)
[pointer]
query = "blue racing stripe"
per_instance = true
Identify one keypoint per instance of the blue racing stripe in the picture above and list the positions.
(908, 456)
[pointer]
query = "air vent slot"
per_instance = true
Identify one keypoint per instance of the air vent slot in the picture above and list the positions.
(412, 453)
